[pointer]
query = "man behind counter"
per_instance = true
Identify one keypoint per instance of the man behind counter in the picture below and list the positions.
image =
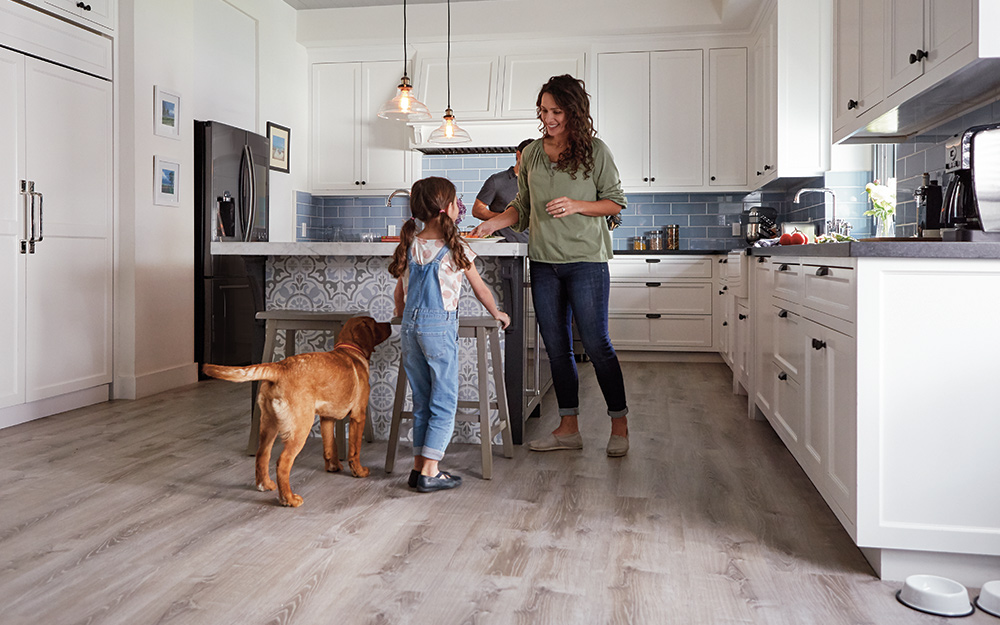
(497, 193)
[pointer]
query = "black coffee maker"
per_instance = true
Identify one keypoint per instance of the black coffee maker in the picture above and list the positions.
(971, 207)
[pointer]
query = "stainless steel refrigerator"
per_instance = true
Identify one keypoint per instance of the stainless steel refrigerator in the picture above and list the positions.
(231, 183)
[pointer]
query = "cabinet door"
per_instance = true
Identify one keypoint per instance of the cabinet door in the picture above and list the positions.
(948, 28)
(727, 123)
(830, 427)
(385, 155)
(904, 21)
(762, 277)
(741, 364)
(524, 75)
(12, 224)
(623, 113)
(858, 51)
(99, 12)
(473, 86)
(69, 278)
(676, 119)
(766, 103)
(336, 130)
(787, 417)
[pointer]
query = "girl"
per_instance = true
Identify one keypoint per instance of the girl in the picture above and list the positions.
(429, 266)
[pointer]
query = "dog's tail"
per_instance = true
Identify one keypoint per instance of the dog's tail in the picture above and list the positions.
(265, 371)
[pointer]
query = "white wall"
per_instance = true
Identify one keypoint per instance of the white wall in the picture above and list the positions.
(154, 308)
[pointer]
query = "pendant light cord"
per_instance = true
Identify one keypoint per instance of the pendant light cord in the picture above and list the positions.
(449, 53)
(404, 38)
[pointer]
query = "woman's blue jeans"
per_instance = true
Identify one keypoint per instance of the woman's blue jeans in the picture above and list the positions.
(430, 359)
(564, 292)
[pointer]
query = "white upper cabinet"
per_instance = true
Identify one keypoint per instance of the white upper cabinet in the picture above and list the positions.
(676, 118)
(791, 98)
(923, 34)
(727, 117)
(352, 148)
(92, 13)
(627, 134)
(857, 64)
(524, 75)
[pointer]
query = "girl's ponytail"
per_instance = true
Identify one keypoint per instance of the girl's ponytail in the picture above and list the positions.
(397, 267)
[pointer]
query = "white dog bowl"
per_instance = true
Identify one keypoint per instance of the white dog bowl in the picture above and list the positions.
(935, 595)
(989, 598)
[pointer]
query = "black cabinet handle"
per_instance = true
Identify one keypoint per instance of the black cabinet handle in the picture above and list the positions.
(652, 260)
(783, 267)
(725, 288)
(823, 271)
(357, 182)
(720, 260)
(818, 344)
(722, 292)
(919, 55)
(713, 177)
(652, 315)
(782, 376)
(742, 316)
(761, 259)
(363, 183)
(652, 179)
(758, 173)
(725, 323)
(725, 261)
(645, 179)
(782, 313)
(766, 167)
(852, 104)
(85, 7)
(653, 284)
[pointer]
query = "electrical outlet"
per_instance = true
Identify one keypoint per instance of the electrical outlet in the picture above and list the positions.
(303, 228)
(391, 230)
(736, 229)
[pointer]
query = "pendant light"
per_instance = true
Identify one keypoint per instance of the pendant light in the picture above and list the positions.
(404, 107)
(449, 131)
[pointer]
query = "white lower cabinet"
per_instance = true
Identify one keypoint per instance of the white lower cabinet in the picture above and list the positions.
(662, 303)
(55, 233)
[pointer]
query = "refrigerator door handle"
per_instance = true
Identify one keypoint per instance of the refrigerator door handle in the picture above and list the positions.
(25, 185)
(253, 193)
(241, 208)
(41, 217)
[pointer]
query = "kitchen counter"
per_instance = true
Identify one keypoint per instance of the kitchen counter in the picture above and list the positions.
(314, 248)
(885, 249)
(669, 252)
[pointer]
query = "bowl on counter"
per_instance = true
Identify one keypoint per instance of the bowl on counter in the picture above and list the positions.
(989, 598)
(935, 595)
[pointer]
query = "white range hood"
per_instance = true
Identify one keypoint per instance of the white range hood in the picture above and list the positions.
(488, 136)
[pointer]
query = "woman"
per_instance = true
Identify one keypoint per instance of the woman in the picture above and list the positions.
(567, 187)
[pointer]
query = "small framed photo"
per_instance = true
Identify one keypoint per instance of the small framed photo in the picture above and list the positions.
(166, 182)
(278, 139)
(166, 113)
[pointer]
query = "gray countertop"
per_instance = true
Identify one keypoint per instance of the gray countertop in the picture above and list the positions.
(669, 252)
(885, 249)
(486, 249)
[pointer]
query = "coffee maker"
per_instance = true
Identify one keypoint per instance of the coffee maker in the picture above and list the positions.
(971, 207)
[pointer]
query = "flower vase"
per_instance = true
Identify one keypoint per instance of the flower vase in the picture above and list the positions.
(884, 228)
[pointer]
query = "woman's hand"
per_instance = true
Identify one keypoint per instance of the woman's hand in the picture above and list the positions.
(562, 207)
(484, 229)
(503, 318)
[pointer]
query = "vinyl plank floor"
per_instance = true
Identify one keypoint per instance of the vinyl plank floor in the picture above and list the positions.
(145, 512)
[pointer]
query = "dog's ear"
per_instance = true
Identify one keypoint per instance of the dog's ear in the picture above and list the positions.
(382, 330)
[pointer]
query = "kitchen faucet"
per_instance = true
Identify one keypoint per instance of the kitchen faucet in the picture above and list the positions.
(834, 225)
(388, 201)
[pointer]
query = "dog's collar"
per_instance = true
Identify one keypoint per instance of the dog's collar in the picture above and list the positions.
(351, 346)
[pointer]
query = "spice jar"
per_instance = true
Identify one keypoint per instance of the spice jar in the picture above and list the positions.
(640, 243)
(655, 239)
(673, 237)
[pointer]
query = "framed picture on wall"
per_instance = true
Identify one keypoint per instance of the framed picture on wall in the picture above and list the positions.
(166, 182)
(278, 140)
(166, 113)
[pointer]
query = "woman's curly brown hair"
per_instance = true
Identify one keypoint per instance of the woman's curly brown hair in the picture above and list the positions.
(571, 96)
(429, 200)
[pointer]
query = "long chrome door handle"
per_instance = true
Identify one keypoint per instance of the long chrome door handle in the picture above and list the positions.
(252, 179)
(25, 185)
(41, 216)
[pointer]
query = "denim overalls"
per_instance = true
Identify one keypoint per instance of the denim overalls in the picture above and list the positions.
(430, 358)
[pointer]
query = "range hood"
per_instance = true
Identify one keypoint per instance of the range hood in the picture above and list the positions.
(488, 136)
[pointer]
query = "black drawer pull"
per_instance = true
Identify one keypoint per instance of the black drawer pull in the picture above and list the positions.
(784, 267)
(652, 260)
(919, 56)
(720, 260)
(652, 315)
(823, 271)
(762, 259)
(782, 376)
(852, 104)
(722, 292)
(725, 288)
(742, 316)
(818, 344)
(725, 323)
(725, 260)
(782, 313)
(653, 284)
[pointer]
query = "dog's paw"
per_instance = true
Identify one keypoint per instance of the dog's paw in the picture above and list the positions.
(333, 466)
(266, 486)
(292, 501)
(359, 471)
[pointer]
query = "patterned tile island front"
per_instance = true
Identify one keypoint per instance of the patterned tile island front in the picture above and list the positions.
(355, 277)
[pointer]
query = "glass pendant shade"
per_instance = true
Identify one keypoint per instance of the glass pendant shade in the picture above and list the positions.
(404, 107)
(449, 131)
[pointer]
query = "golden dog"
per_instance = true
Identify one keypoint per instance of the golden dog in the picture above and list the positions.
(333, 385)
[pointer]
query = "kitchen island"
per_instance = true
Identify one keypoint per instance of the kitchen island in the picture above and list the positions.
(875, 363)
(355, 277)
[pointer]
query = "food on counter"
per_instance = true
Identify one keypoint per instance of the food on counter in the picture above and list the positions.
(835, 238)
(793, 238)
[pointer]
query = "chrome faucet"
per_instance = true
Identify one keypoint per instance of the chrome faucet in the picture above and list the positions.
(388, 201)
(833, 225)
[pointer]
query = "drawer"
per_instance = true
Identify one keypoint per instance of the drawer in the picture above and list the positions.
(788, 281)
(789, 345)
(830, 289)
(676, 331)
(668, 298)
(643, 267)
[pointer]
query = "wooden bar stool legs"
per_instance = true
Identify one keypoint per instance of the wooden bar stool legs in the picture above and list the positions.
(290, 322)
(486, 331)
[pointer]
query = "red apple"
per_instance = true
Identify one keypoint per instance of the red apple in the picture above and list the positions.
(786, 239)
(799, 239)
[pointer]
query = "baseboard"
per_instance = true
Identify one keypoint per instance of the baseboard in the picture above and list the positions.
(651, 356)
(53, 405)
(137, 387)
(972, 570)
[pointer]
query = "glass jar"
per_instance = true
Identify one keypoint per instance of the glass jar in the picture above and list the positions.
(673, 237)
(640, 244)
(655, 239)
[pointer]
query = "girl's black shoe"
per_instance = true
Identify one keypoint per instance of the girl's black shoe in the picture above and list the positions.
(441, 481)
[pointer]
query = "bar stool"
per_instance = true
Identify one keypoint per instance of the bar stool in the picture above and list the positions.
(486, 331)
(290, 322)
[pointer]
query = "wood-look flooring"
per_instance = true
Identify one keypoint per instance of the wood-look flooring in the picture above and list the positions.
(144, 512)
